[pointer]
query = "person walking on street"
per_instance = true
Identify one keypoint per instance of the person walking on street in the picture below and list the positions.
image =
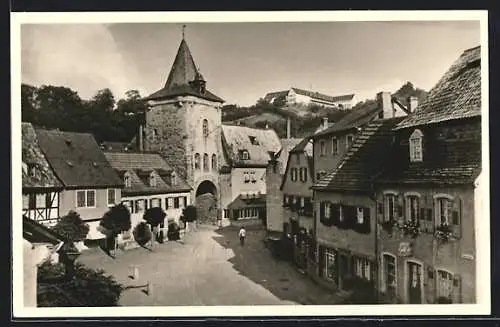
(242, 235)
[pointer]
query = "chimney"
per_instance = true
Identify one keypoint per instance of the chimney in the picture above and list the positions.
(412, 103)
(325, 122)
(385, 103)
(140, 140)
(288, 128)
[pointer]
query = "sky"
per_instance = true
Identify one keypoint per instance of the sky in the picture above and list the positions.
(243, 61)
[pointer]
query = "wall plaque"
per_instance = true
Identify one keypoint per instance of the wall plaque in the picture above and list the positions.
(405, 249)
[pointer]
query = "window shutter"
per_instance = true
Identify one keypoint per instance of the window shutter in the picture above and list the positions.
(366, 220)
(322, 211)
(305, 175)
(335, 210)
(380, 211)
(457, 289)
(456, 216)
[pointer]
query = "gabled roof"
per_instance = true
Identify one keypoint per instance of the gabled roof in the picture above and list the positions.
(139, 166)
(324, 97)
(44, 177)
(364, 160)
(273, 95)
(451, 155)
(237, 138)
(457, 94)
(286, 146)
(77, 159)
(303, 147)
(357, 116)
(183, 72)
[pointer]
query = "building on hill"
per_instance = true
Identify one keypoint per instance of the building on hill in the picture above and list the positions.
(246, 155)
(331, 144)
(431, 190)
(299, 96)
(149, 182)
(90, 184)
(183, 125)
(41, 188)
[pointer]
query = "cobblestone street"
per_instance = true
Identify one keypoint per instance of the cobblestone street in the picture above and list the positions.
(209, 267)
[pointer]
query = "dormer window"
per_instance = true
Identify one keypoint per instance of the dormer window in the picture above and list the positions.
(244, 155)
(127, 181)
(253, 140)
(30, 169)
(173, 179)
(416, 146)
(349, 139)
(152, 180)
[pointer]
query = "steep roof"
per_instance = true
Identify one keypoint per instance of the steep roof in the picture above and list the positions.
(456, 95)
(35, 232)
(359, 115)
(139, 165)
(451, 155)
(241, 201)
(183, 72)
(43, 176)
(286, 146)
(305, 145)
(238, 138)
(324, 97)
(364, 160)
(77, 159)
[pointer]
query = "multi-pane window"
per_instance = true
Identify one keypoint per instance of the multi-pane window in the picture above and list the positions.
(328, 210)
(173, 179)
(362, 268)
(349, 139)
(412, 209)
(335, 145)
(245, 155)
(416, 146)
(246, 177)
(214, 162)
(205, 128)
(442, 211)
(111, 196)
(139, 206)
(293, 174)
(152, 180)
(390, 207)
(85, 199)
(444, 284)
(330, 264)
(176, 203)
(127, 181)
(389, 277)
(253, 179)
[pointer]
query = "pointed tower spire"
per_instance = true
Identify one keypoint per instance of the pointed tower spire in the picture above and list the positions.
(183, 69)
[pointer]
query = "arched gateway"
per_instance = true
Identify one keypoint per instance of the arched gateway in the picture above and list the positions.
(206, 202)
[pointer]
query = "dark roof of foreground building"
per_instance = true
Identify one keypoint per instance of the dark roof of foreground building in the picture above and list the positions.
(35, 232)
(365, 159)
(41, 175)
(77, 159)
(182, 73)
(140, 166)
(456, 95)
(251, 200)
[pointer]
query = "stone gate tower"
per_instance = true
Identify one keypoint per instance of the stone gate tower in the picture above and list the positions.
(183, 124)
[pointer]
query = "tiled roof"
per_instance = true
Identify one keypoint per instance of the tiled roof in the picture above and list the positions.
(139, 166)
(286, 146)
(272, 95)
(364, 160)
(456, 95)
(451, 155)
(237, 138)
(324, 97)
(241, 201)
(183, 72)
(305, 145)
(35, 232)
(77, 159)
(357, 116)
(115, 146)
(322, 127)
(43, 176)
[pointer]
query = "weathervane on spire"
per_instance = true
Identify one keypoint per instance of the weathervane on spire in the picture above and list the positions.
(183, 31)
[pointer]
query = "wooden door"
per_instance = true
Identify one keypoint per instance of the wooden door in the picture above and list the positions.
(414, 283)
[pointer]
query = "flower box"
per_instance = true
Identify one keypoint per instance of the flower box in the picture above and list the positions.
(410, 228)
(444, 233)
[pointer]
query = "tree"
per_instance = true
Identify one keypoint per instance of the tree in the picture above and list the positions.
(89, 287)
(72, 227)
(155, 216)
(142, 234)
(189, 215)
(115, 221)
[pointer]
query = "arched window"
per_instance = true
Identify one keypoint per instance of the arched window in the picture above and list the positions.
(416, 146)
(197, 161)
(205, 128)
(205, 162)
(214, 162)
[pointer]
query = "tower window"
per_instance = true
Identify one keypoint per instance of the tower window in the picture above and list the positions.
(197, 161)
(205, 128)
(214, 162)
(416, 146)
(205, 162)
